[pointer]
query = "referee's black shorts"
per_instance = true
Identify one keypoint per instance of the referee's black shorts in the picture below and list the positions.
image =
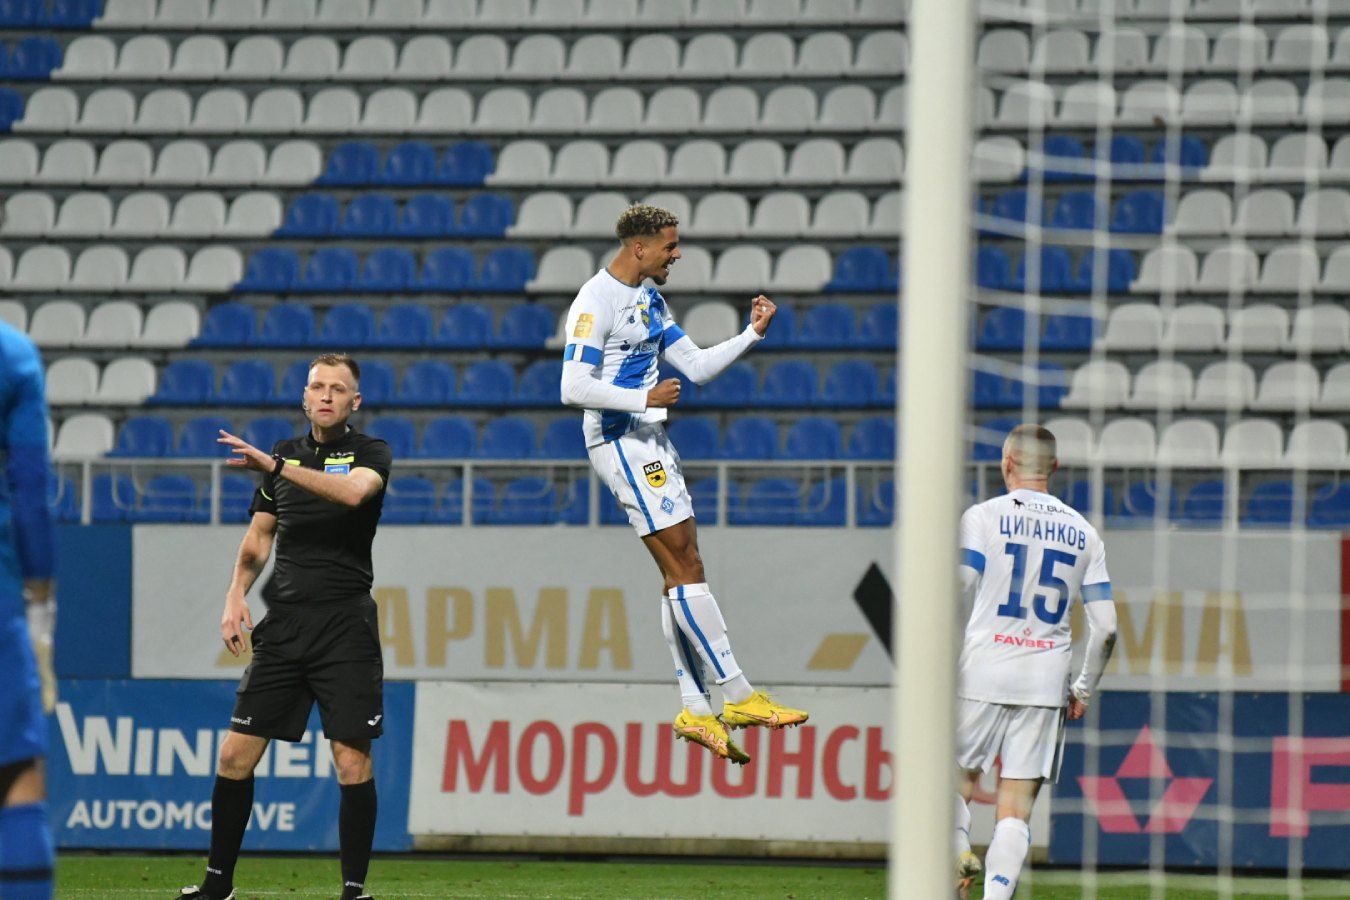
(328, 652)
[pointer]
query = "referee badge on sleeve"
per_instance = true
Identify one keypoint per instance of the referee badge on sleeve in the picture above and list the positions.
(656, 474)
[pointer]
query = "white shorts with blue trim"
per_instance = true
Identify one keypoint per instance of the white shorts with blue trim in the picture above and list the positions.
(1028, 741)
(643, 471)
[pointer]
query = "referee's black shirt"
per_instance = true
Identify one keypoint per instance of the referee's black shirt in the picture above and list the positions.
(322, 548)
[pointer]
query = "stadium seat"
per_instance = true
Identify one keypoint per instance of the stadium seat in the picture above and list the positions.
(864, 269)
(287, 325)
(872, 438)
(426, 215)
(266, 432)
(750, 437)
(408, 500)
(387, 270)
(1203, 504)
(487, 383)
(695, 437)
(1002, 328)
(826, 326)
(247, 382)
(1317, 444)
(113, 497)
(486, 215)
(507, 437)
(506, 271)
(369, 216)
(427, 382)
(1127, 442)
(531, 500)
(349, 325)
(451, 509)
(524, 326)
(404, 326)
(270, 270)
(813, 437)
(539, 383)
(447, 437)
(351, 164)
(465, 164)
(850, 383)
(187, 382)
(563, 439)
(396, 431)
(1330, 506)
(734, 388)
(329, 270)
(447, 270)
(198, 437)
(767, 502)
(1162, 384)
(878, 328)
(466, 325)
(1142, 501)
(789, 382)
(168, 498)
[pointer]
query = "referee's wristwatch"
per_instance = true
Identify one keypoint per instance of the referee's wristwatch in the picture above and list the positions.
(280, 464)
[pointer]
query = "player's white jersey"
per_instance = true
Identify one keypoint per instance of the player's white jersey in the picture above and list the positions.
(622, 331)
(1034, 555)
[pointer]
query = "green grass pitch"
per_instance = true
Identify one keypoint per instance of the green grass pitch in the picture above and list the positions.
(391, 878)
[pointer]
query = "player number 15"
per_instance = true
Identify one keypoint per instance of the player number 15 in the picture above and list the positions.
(1041, 603)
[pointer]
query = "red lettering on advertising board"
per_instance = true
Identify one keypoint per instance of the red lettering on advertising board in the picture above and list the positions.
(803, 758)
(748, 774)
(878, 770)
(525, 757)
(661, 778)
(459, 751)
(1293, 793)
(579, 785)
(829, 763)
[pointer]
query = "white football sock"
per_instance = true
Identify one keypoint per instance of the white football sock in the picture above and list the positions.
(688, 667)
(696, 613)
(962, 826)
(1003, 862)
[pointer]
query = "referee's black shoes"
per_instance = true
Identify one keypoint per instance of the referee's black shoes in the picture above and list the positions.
(192, 892)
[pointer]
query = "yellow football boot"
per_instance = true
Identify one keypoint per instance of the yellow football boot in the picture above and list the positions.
(968, 869)
(759, 709)
(711, 733)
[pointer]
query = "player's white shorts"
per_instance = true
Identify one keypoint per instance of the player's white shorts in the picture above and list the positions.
(643, 470)
(1027, 740)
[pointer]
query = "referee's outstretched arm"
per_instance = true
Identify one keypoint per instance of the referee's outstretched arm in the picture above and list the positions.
(351, 489)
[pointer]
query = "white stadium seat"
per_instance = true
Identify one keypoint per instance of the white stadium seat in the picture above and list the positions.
(733, 108)
(559, 110)
(1204, 211)
(56, 324)
(256, 57)
(503, 110)
(127, 12)
(580, 163)
(804, 267)
(1252, 442)
(1335, 394)
(276, 111)
(226, 110)
(1133, 326)
(107, 109)
(1121, 50)
(597, 212)
(1189, 442)
(142, 214)
(1073, 440)
(482, 56)
(42, 268)
(253, 213)
(236, 13)
(1321, 328)
(882, 53)
(290, 162)
(182, 162)
(1004, 50)
(1336, 272)
(697, 162)
(369, 57)
(522, 162)
(1166, 269)
(594, 56)
(12, 312)
(1264, 212)
(214, 268)
(164, 111)
(1161, 384)
(1271, 101)
(83, 436)
(999, 159)
(1182, 48)
(693, 270)
(638, 162)
(839, 214)
(28, 213)
(1100, 383)
(1227, 269)
(1300, 48)
(158, 268)
(389, 110)
(679, 205)
(652, 56)
(87, 57)
(84, 214)
(711, 322)
(824, 54)
(1087, 102)
(238, 162)
(742, 267)
(616, 110)
(72, 380)
(1235, 156)
(1145, 101)
(124, 162)
(292, 13)
(1324, 212)
(18, 161)
(538, 56)
(1213, 101)
(1062, 50)
(816, 161)
(562, 268)
(334, 110)
(1317, 444)
(403, 13)
(1260, 328)
(1226, 385)
(168, 324)
(1241, 48)
(675, 109)
(720, 214)
(116, 323)
(1288, 386)
(448, 13)
(199, 214)
(69, 161)
(767, 55)
(886, 214)
(445, 110)
(143, 58)
(1293, 155)
(1127, 441)
(1194, 327)
(756, 162)
(49, 109)
(849, 107)
(1292, 268)
(344, 13)
(182, 12)
(127, 381)
(544, 214)
(424, 58)
(791, 108)
(100, 268)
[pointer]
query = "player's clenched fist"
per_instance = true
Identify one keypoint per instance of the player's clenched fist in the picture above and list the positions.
(761, 313)
(666, 393)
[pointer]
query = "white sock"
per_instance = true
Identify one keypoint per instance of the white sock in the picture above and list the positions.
(688, 667)
(696, 613)
(1003, 862)
(962, 826)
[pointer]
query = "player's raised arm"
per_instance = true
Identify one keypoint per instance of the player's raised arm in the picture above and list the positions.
(701, 365)
(1100, 611)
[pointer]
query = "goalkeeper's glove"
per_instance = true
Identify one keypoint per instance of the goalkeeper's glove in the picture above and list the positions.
(41, 625)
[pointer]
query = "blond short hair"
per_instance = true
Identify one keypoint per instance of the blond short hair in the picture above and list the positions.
(643, 220)
(338, 359)
(1032, 449)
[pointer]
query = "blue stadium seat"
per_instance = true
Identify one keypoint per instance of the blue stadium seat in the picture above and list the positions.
(426, 216)
(447, 270)
(310, 215)
(1055, 274)
(750, 437)
(112, 498)
(236, 496)
(813, 437)
(388, 270)
(186, 382)
(876, 505)
(525, 326)
(352, 163)
(887, 397)
(198, 437)
(825, 504)
(489, 382)
(1271, 505)
(508, 437)
(850, 383)
(992, 268)
(531, 500)
(1330, 506)
(1192, 153)
(735, 387)
(1079, 496)
(347, 325)
(409, 163)
(63, 501)
(466, 163)
(695, 437)
(505, 271)
(1074, 209)
(860, 269)
(265, 431)
(396, 431)
(872, 438)
(271, 270)
(1138, 212)
(768, 501)
(1066, 332)
(408, 500)
(1065, 158)
(1203, 504)
(377, 382)
(1053, 385)
(33, 59)
(247, 382)
(369, 216)
(169, 498)
(1120, 271)
(405, 326)
(448, 437)
(574, 502)
(782, 332)
(825, 326)
(702, 493)
(451, 510)
(330, 270)
(1141, 501)
(18, 13)
(540, 383)
(988, 390)
(144, 436)
(427, 382)
(11, 108)
(879, 327)
(1011, 210)
(789, 382)
(287, 325)
(1002, 328)
(1126, 149)
(70, 13)
(987, 445)
(229, 324)
(486, 215)
(563, 439)
(465, 326)
(291, 385)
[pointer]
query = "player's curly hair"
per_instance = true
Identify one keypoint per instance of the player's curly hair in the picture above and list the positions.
(338, 359)
(642, 220)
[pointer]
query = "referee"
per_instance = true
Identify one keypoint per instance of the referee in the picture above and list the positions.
(319, 499)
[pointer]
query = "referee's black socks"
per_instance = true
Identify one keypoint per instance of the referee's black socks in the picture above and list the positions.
(356, 833)
(231, 805)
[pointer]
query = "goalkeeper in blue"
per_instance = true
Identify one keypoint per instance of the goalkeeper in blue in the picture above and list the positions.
(1025, 557)
(27, 616)
(616, 329)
